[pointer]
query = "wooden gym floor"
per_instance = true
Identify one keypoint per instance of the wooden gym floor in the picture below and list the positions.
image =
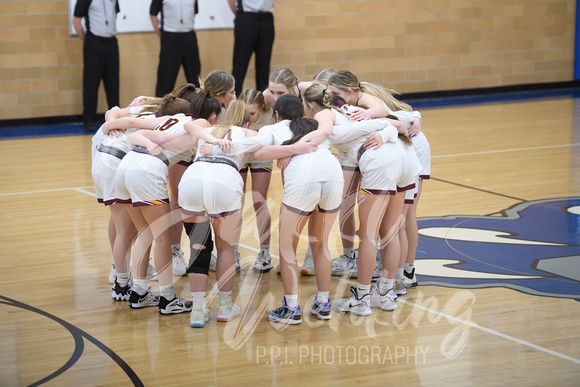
(498, 264)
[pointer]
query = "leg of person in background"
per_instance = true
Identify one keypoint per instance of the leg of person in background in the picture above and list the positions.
(191, 63)
(111, 77)
(383, 295)
(290, 227)
(178, 262)
(264, 44)
(92, 73)
(346, 263)
(245, 38)
(169, 64)
(260, 185)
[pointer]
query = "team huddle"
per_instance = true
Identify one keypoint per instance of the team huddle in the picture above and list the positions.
(179, 162)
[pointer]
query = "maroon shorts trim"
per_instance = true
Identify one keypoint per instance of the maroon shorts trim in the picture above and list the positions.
(296, 210)
(351, 169)
(322, 210)
(424, 177)
(151, 203)
(377, 191)
(403, 189)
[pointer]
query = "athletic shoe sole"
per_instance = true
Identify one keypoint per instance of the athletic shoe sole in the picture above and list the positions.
(285, 321)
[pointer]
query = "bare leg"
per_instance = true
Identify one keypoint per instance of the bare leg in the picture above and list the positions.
(175, 173)
(291, 225)
(389, 232)
(159, 221)
(142, 244)
(226, 229)
(125, 234)
(347, 219)
(371, 210)
(260, 185)
(411, 227)
(319, 229)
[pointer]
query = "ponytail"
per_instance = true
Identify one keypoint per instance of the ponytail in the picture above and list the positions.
(300, 126)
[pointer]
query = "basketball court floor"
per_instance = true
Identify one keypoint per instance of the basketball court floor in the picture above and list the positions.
(498, 266)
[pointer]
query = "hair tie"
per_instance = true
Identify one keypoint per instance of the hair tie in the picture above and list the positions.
(359, 86)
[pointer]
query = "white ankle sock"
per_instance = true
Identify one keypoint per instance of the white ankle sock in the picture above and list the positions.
(123, 279)
(291, 300)
(386, 284)
(348, 252)
(141, 286)
(167, 292)
(198, 299)
(225, 296)
(322, 297)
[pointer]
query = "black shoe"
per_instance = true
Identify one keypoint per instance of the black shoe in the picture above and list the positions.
(121, 293)
(89, 127)
(175, 306)
(410, 279)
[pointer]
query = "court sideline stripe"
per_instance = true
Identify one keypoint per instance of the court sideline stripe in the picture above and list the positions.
(473, 325)
(506, 150)
(493, 332)
(79, 189)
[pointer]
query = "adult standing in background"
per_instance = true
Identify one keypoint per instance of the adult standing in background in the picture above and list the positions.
(178, 42)
(100, 54)
(253, 33)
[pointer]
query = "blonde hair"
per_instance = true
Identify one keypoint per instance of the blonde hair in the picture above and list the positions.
(217, 83)
(253, 96)
(236, 115)
(285, 77)
(345, 80)
(323, 75)
(319, 95)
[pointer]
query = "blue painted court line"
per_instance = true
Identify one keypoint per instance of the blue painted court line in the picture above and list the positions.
(43, 131)
(486, 99)
(76, 129)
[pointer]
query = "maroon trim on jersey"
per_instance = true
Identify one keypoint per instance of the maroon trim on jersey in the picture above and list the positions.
(185, 163)
(351, 169)
(403, 189)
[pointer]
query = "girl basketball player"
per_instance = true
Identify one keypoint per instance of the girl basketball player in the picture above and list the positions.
(260, 115)
(107, 155)
(212, 188)
(315, 195)
(369, 101)
(142, 178)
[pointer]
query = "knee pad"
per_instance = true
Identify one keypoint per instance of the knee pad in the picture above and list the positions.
(199, 233)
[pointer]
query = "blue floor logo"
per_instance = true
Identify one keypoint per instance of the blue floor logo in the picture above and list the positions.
(533, 248)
